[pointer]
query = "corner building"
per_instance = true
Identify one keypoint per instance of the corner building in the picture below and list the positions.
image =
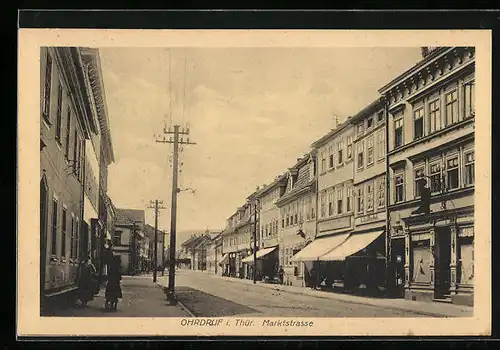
(431, 136)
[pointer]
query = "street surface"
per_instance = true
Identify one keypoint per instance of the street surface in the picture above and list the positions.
(141, 298)
(207, 295)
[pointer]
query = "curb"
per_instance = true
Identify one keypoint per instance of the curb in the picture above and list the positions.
(181, 305)
(426, 313)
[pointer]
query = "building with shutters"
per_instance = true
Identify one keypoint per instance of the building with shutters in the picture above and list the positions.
(431, 136)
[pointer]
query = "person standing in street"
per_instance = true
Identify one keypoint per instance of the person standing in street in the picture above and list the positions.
(281, 274)
(113, 288)
(86, 283)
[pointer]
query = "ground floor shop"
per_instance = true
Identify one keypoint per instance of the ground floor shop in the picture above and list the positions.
(438, 256)
(267, 265)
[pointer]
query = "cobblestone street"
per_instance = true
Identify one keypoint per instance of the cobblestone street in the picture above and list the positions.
(213, 296)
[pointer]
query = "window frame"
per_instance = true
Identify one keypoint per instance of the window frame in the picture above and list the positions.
(370, 139)
(64, 228)
(455, 168)
(349, 147)
(454, 107)
(469, 164)
(469, 111)
(381, 190)
(47, 88)
(340, 200)
(54, 226)
(381, 144)
(400, 185)
(397, 121)
(360, 146)
(59, 108)
(419, 168)
(360, 199)
(370, 196)
(418, 116)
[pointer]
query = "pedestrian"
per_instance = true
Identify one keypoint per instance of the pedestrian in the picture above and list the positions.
(314, 277)
(281, 274)
(113, 288)
(85, 282)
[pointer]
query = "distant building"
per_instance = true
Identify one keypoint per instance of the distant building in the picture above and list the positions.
(150, 232)
(128, 238)
(297, 208)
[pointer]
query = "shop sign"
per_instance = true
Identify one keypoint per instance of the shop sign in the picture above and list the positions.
(466, 232)
(335, 224)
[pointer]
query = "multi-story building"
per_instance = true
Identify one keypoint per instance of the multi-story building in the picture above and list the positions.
(335, 203)
(213, 254)
(268, 228)
(297, 208)
(150, 233)
(431, 138)
(127, 237)
(72, 118)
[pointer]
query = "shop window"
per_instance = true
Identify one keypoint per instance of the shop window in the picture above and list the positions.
(47, 88)
(418, 123)
(469, 96)
(451, 108)
(434, 116)
(399, 188)
(452, 173)
(469, 168)
(419, 174)
(398, 132)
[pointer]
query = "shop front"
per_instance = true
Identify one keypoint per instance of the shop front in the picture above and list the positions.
(439, 256)
(267, 263)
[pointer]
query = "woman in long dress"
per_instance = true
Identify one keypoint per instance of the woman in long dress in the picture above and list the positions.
(113, 288)
(85, 283)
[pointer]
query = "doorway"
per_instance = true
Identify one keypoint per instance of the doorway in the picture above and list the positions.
(442, 260)
(398, 263)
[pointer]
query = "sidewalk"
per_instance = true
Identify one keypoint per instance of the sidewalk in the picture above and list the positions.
(427, 308)
(141, 298)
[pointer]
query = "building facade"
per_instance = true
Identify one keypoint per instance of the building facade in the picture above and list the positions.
(431, 138)
(127, 238)
(70, 119)
(297, 208)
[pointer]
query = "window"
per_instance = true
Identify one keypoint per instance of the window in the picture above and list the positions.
(469, 168)
(349, 147)
(360, 150)
(369, 122)
(72, 240)
(381, 144)
(330, 203)
(452, 173)
(435, 175)
(434, 116)
(75, 154)
(370, 197)
(47, 87)
(451, 108)
(323, 162)
(380, 116)
(399, 185)
(418, 123)
(63, 233)
(359, 128)
(340, 149)
(419, 174)
(349, 199)
(469, 97)
(53, 249)
(58, 113)
(381, 194)
(398, 133)
(330, 156)
(322, 205)
(369, 150)
(313, 211)
(68, 126)
(360, 200)
(339, 200)
(267, 230)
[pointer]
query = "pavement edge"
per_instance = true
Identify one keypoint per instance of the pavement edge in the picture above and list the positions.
(181, 305)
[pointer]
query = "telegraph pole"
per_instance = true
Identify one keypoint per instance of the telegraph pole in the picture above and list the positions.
(155, 205)
(177, 133)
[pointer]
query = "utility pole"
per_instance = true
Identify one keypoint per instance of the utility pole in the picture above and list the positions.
(155, 205)
(176, 132)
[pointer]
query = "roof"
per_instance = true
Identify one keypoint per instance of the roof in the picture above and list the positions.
(150, 232)
(122, 219)
(136, 215)
(324, 139)
(279, 181)
(372, 107)
(303, 182)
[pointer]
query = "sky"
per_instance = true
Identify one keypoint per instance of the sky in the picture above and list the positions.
(251, 111)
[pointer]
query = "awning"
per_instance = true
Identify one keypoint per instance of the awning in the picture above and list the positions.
(319, 247)
(352, 245)
(260, 253)
(222, 261)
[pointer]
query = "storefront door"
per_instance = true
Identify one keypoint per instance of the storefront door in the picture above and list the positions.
(442, 262)
(398, 261)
